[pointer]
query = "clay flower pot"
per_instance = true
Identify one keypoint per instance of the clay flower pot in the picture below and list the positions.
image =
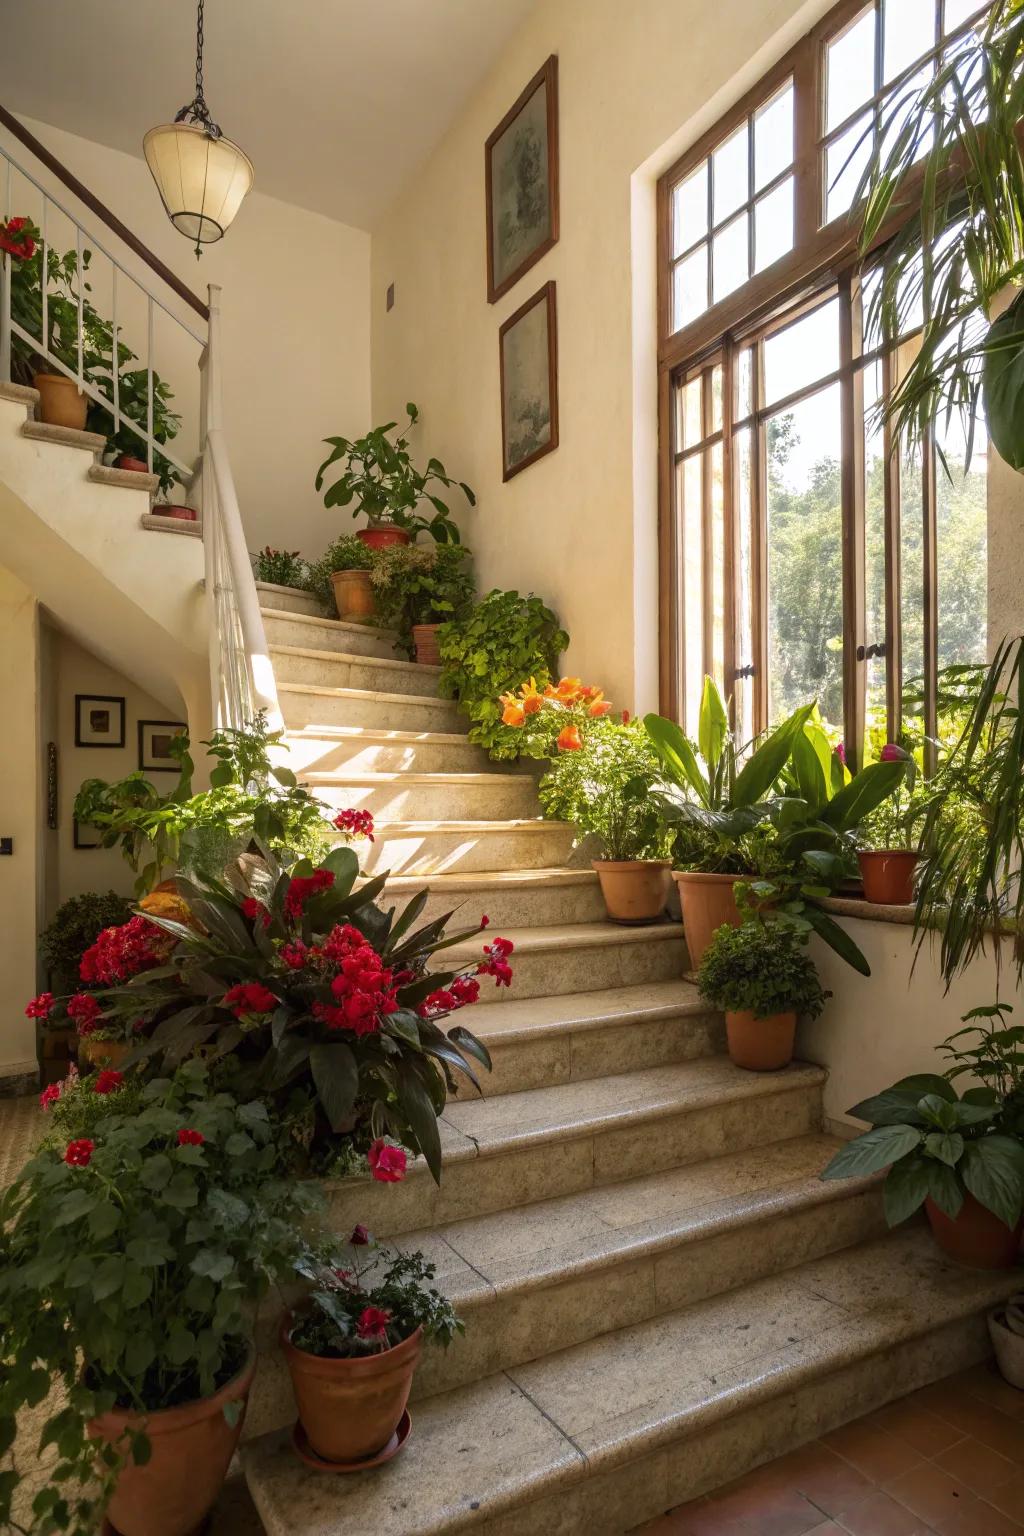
(192, 1445)
(61, 402)
(349, 1409)
(102, 1053)
(381, 535)
(424, 638)
(761, 1045)
(888, 875)
(707, 901)
(169, 509)
(353, 596)
(1008, 1345)
(976, 1237)
(634, 890)
(128, 461)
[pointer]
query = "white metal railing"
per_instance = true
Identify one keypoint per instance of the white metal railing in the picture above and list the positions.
(241, 676)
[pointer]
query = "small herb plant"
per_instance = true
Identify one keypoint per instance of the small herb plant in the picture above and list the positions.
(379, 479)
(283, 567)
(421, 584)
(138, 1249)
(763, 968)
(488, 651)
(367, 1299)
(603, 786)
(345, 554)
(74, 926)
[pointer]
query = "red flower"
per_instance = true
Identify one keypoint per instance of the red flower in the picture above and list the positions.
(891, 753)
(40, 1007)
(355, 824)
(373, 1323)
(387, 1164)
(363, 988)
(85, 1010)
(294, 954)
(255, 911)
(107, 1081)
(190, 1138)
(249, 997)
(360, 1237)
(485, 921)
(466, 989)
(25, 248)
(120, 953)
(49, 1095)
(77, 1153)
(626, 717)
(302, 887)
(461, 991)
(495, 962)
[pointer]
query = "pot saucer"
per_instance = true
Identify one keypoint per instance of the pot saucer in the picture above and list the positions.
(306, 1453)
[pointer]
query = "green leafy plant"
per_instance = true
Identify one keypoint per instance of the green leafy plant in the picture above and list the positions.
(379, 479)
(74, 926)
(249, 797)
(283, 567)
(365, 1299)
(762, 967)
(346, 553)
(992, 1051)
(421, 584)
(130, 1261)
(490, 650)
(603, 788)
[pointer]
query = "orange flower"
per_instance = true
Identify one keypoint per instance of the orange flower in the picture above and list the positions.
(569, 739)
(513, 715)
(532, 704)
(568, 689)
(550, 692)
(598, 708)
(528, 690)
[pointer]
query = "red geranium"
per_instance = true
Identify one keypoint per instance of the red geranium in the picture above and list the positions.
(49, 1095)
(387, 1163)
(302, 887)
(120, 953)
(363, 987)
(255, 911)
(190, 1138)
(294, 955)
(25, 248)
(373, 1323)
(355, 824)
(360, 1237)
(107, 1081)
(249, 997)
(77, 1153)
(85, 1010)
(495, 962)
(40, 1007)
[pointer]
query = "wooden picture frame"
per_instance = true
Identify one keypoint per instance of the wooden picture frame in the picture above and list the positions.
(529, 382)
(520, 159)
(81, 831)
(96, 724)
(153, 735)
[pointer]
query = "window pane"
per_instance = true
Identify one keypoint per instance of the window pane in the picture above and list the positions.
(745, 383)
(876, 733)
(908, 33)
(743, 688)
(690, 418)
(900, 108)
(692, 548)
(731, 174)
(690, 288)
(731, 257)
(851, 71)
(803, 352)
(961, 506)
(717, 567)
(773, 138)
(716, 398)
(805, 579)
(845, 162)
(773, 225)
(956, 12)
(690, 210)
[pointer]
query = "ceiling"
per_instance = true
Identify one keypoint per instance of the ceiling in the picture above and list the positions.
(335, 101)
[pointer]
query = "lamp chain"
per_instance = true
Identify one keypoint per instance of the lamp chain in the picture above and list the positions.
(199, 56)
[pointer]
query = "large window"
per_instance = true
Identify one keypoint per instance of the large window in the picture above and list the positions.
(802, 555)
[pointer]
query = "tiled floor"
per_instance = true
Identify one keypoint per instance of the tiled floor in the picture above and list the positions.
(945, 1461)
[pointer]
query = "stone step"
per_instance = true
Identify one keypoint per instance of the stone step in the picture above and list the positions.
(306, 704)
(288, 599)
(605, 1434)
(514, 1149)
(362, 749)
(154, 522)
(465, 847)
(540, 1042)
(336, 669)
(126, 479)
(512, 898)
(577, 957)
(403, 795)
(68, 437)
(284, 627)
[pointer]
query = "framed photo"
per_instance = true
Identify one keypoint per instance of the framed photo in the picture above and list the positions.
(84, 836)
(521, 160)
(155, 737)
(528, 354)
(99, 720)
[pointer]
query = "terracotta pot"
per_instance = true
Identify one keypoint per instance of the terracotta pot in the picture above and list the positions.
(353, 596)
(634, 890)
(381, 536)
(349, 1409)
(102, 1053)
(183, 514)
(707, 901)
(888, 875)
(1009, 1348)
(172, 1494)
(425, 640)
(761, 1045)
(61, 402)
(976, 1237)
(128, 461)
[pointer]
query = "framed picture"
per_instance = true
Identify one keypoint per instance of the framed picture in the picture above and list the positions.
(99, 720)
(521, 159)
(528, 355)
(155, 737)
(84, 836)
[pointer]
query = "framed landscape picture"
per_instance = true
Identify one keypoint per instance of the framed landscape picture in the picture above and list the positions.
(528, 361)
(521, 158)
(155, 737)
(99, 720)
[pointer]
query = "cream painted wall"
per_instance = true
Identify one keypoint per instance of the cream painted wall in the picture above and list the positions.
(295, 324)
(20, 818)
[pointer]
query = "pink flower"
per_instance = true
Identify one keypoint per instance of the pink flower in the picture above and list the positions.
(840, 752)
(49, 1095)
(355, 824)
(40, 1007)
(891, 753)
(387, 1164)
(373, 1323)
(107, 1081)
(77, 1153)
(360, 1237)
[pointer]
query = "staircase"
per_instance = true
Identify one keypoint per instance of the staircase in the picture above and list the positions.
(659, 1292)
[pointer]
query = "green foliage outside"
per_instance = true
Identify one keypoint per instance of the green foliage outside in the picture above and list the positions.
(74, 926)
(762, 967)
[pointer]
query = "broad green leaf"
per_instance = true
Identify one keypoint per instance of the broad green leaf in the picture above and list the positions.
(873, 1151)
(906, 1188)
(946, 1146)
(1003, 376)
(336, 1077)
(713, 724)
(760, 771)
(677, 756)
(865, 791)
(898, 1105)
(836, 938)
(993, 1171)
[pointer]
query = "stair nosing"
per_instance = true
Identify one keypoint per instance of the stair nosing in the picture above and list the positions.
(549, 936)
(689, 1005)
(373, 695)
(289, 615)
(385, 776)
(63, 437)
(373, 734)
(557, 878)
(507, 824)
(314, 654)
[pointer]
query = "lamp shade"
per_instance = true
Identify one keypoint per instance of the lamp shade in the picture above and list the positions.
(202, 179)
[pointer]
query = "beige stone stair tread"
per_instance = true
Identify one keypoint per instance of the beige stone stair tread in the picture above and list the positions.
(368, 733)
(485, 1449)
(579, 1109)
(493, 880)
(21, 394)
(315, 621)
(511, 824)
(394, 663)
(367, 694)
(70, 437)
(127, 479)
(400, 776)
(570, 935)
(159, 524)
(533, 1016)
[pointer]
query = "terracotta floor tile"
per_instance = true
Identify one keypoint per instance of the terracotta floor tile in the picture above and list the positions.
(1009, 1497)
(765, 1511)
(828, 1529)
(932, 1494)
(695, 1519)
(881, 1456)
(919, 1427)
(979, 1466)
(981, 1520)
(827, 1480)
(985, 1382)
(881, 1515)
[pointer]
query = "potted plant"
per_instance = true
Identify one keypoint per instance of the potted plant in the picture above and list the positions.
(340, 579)
(352, 1347)
(179, 510)
(1006, 1330)
(378, 478)
(280, 567)
(888, 862)
(133, 1247)
(417, 588)
(74, 928)
(762, 978)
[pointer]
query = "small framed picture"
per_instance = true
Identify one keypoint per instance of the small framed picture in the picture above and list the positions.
(99, 720)
(155, 737)
(521, 169)
(84, 836)
(528, 358)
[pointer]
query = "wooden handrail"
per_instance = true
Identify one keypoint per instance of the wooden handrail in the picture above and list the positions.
(91, 201)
